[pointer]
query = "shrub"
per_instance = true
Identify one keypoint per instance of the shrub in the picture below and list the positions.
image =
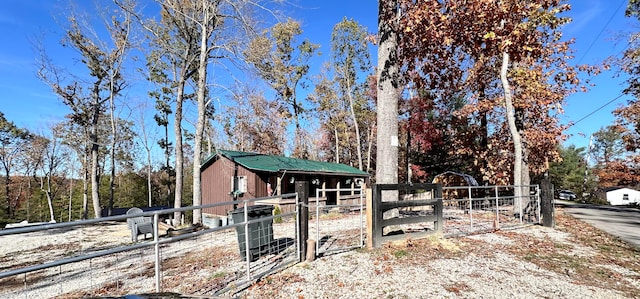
(276, 212)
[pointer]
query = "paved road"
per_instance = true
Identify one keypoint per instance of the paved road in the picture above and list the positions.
(619, 221)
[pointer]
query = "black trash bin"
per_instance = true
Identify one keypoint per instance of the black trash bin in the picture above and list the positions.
(260, 232)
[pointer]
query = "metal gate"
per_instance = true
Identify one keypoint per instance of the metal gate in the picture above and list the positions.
(473, 209)
(340, 222)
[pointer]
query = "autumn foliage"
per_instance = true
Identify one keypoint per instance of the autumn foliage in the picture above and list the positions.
(451, 53)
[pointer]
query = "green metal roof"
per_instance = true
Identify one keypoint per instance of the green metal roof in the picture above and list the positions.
(270, 163)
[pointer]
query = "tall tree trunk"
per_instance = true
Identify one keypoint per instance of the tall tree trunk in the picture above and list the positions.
(515, 135)
(95, 182)
(167, 163)
(93, 139)
(112, 150)
(484, 135)
(388, 94)
(50, 199)
(177, 130)
(149, 176)
(208, 133)
(408, 156)
(301, 150)
(85, 184)
(370, 146)
(70, 192)
(335, 132)
(7, 181)
(355, 125)
(526, 177)
(147, 149)
(201, 94)
(348, 142)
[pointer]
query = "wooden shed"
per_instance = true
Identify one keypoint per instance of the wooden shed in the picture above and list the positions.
(236, 176)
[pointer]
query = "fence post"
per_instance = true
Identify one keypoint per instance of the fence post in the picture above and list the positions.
(362, 206)
(439, 209)
(376, 216)
(302, 188)
(156, 219)
(546, 203)
(247, 240)
(470, 207)
(497, 224)
(370, 217)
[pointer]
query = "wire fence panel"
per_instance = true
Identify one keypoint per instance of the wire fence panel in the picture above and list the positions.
(340, 224)
(475, 209)
(98, 258)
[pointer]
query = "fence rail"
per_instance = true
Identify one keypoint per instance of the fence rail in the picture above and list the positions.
(153, 265)
(73, 271)
(419, 210)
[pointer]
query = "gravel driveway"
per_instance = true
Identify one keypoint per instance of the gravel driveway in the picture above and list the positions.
(623, 222)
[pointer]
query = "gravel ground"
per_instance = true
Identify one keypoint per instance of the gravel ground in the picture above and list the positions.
(120, 273)
(396, 275)
(572, 261)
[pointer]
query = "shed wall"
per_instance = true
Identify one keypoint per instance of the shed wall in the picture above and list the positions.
(216, 185)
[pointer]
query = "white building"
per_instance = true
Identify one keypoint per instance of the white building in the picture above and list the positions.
(622, 196)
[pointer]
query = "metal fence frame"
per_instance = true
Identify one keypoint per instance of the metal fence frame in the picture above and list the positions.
(443, 214)
(250, 277)
(156, 242)
(496, 200)
(360, 207)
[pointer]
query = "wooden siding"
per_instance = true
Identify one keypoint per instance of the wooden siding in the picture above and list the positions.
(216, 185)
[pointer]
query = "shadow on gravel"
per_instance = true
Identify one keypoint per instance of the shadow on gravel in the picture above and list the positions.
(280, 245)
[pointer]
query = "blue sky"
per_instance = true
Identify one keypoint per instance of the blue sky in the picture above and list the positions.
(29, 103)
(597, 27)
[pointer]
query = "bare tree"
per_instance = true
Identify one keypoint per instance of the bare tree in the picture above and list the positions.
(53, 159)
(186, 41)
(253, 123)
(87, 101)
(120, 32)
(146, 136)
(76, 137)
(172, 63)
(350, 55)
(31, 161)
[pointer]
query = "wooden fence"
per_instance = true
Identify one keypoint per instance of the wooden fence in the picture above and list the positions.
(430, 211)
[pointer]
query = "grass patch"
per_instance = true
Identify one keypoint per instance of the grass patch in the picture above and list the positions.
(218, 275)
(331, 216)
(400, 254)
(276, 212)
